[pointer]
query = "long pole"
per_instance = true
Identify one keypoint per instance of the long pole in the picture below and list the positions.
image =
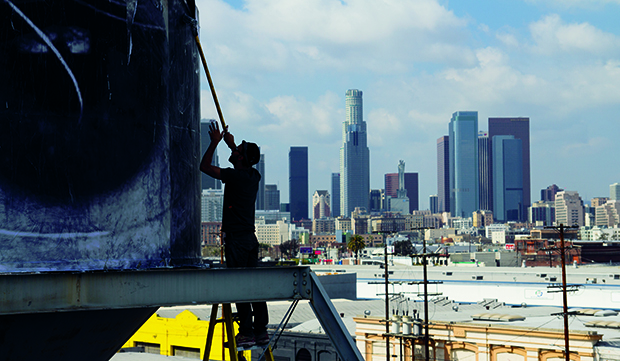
(204, 65)
(387, 302)
(426, 348)
(564, 298)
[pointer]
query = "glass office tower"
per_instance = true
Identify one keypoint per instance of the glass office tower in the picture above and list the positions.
(519, 127)
(463, 153)
(298, 182)
(354, 157)
(507, 178)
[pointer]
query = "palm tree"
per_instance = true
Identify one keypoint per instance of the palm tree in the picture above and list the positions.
(356, 244)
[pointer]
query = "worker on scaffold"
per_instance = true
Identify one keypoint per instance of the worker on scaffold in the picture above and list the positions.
(240, 242)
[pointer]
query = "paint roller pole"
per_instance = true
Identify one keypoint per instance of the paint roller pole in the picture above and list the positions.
(204, 65)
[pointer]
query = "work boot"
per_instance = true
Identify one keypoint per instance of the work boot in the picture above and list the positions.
(262, 340)
(244, 341)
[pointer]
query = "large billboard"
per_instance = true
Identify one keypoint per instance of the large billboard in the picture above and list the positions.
(99, 135)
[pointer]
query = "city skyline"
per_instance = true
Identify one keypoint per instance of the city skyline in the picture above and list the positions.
(281, 81)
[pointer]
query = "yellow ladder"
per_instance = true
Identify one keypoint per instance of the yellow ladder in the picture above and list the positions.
(235, 353)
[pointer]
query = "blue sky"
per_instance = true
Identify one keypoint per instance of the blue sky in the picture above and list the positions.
(281, 69)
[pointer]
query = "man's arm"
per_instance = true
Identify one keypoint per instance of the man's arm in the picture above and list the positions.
(205, 164)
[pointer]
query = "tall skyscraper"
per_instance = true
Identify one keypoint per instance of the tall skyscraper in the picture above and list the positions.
(208, 182)
(507, 179)
(484, 169)
(272, 197)
(443, 174)
(260, 195)
(354, 156)
(520, 129)
(411, 187)
(463, 154)
(298, 182)
(320, 204)
(335, 198)
(548, 194)
(614, 192)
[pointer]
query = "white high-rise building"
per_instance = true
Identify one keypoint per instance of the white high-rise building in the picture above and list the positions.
(608, 214)
(320, 204)
(569, 209)
(614, 192)
(354, 157)
(211, 205)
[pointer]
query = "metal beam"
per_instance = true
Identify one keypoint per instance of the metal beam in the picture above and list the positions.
(332, 322)
(98, 290)
(63, 291)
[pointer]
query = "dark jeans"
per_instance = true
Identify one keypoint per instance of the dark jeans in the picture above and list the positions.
(241, 249)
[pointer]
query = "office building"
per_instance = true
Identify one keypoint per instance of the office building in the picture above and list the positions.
(507, 178)
(298, 182)
(608, 214)
(354, 156)
(260, 195)
(335, 198)
(463, 157)
(569, 209)
(376, 200)
(211, 205)
(208, 182)
(433, 203)
(443, 174)
(519, 127)
(542, 213)
(484, 170)
(410, 187)
(598, 201)
(320, 204)
(614, 192)
(272, 197)
(548, 194)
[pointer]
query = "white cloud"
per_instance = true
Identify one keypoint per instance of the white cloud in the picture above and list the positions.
(552, 35)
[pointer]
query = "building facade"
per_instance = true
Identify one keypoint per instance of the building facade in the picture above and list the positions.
(260, 195)
(548, 194)
(614, 192)
(569, 209)
(354, 156)
(272, 197)
(335, 198)
(608, 214)
(443, 174)
(298, 182)
(508, 199)
(484, 171)
(211, 205)
(518, 127)
(411, 188)
(320, 204)
(542, 213)
(463, 157)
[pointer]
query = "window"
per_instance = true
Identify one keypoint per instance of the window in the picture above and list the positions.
(303, 355)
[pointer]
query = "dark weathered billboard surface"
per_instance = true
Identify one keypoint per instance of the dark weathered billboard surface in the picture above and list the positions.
(99, 135)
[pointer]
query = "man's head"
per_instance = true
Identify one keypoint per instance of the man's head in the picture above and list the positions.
(246, 153)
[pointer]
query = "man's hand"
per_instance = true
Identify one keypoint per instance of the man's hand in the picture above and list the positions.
(214, 133)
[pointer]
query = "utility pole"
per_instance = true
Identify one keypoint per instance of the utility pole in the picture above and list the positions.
(564, 289)
(425, 282)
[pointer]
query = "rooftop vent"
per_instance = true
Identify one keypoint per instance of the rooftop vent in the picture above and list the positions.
(497, 317)
(603, 324)
(597, 313)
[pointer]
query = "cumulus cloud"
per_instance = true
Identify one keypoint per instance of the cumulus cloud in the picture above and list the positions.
(551, 35)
